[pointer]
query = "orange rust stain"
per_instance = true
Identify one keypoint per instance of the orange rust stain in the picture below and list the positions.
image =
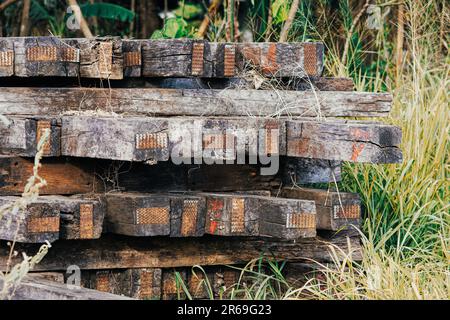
(359, 134)
(356, 150)
(269, 62)
(213, 227)
(215, 208)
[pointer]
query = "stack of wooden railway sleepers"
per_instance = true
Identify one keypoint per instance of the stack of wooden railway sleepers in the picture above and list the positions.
(159, 155)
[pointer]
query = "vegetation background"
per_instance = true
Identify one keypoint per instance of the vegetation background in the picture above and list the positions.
(396, 46)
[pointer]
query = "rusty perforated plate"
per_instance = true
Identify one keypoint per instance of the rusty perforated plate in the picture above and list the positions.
(145, 141)
(70, 54)
(43, 225)
(146, 284)
(225, 142)
(6, 58)
(198, 49)
(352, 211)
(252, 55)
(196, 284)
(300, 221)
(43, 125)
(310, 58)
(237, 215)
(131, 59)
(229, 60)
(105, 58)
(271, 137)
(102, 281)
(42, 54)
(269, 65)
(154, 215)
(189, 218)
(86, 221)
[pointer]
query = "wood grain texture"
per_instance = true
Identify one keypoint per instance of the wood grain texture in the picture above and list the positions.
(20, 137)
(112, 252)
(63, 176)
(6, 57)
(45, 57)
(50, 218)
(192, 102)
(35, 287)
(142, 283)
(345, 141)
(335, 210)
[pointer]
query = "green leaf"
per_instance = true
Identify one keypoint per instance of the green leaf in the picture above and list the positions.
(189, 11)
(107, 11)
(280, 11)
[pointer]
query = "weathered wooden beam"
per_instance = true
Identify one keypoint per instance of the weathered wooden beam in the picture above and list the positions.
(335, 210)
(143, 283)
(155, 215)
(45, 56)
(192, 102)
(63, 176)
(118, 252)
(157, 139)
(344, 141)
(295, 171)
(252, 215)
(6, 57)
(20, 137)
(50, 218)
(99, 57)
(34, 287)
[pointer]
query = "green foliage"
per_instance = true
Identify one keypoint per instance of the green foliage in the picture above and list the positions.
(189, 11)
(174, 28)
(280, 11)
(107, 11)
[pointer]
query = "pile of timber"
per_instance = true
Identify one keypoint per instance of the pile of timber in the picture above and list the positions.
(180, 161)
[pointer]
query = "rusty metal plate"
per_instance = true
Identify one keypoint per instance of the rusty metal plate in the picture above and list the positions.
(42, 54)
(269, 62)
(272, 137)
(229, 60)
(6, 58)
(237, 215)
(105, 55)
(131, 59)
(196, 284)
(70, 55)
(86, 221)
(310, 58)
(214, 215)
(155, 215)
(146, 284)
(43, 125)
(102, 282)
(352, 211)
(43, 225)
(145, 141)
(198, 49)
(224, 142)
(230, 278)
(301, 221)
(189, 218)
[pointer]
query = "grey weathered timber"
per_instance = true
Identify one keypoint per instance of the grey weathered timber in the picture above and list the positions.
(185, 58)
(142, 283)
(20, 137)
(345, 140)
(63, 176)
(252, 215)
(45, 57)
(99, 57)
(192, 102)
(136, 214)
(114, 252)
(335, 210)
(281, 59)
(35, 287)
(296, 171)
(49, 218)
(143, 139)
(6, 57)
